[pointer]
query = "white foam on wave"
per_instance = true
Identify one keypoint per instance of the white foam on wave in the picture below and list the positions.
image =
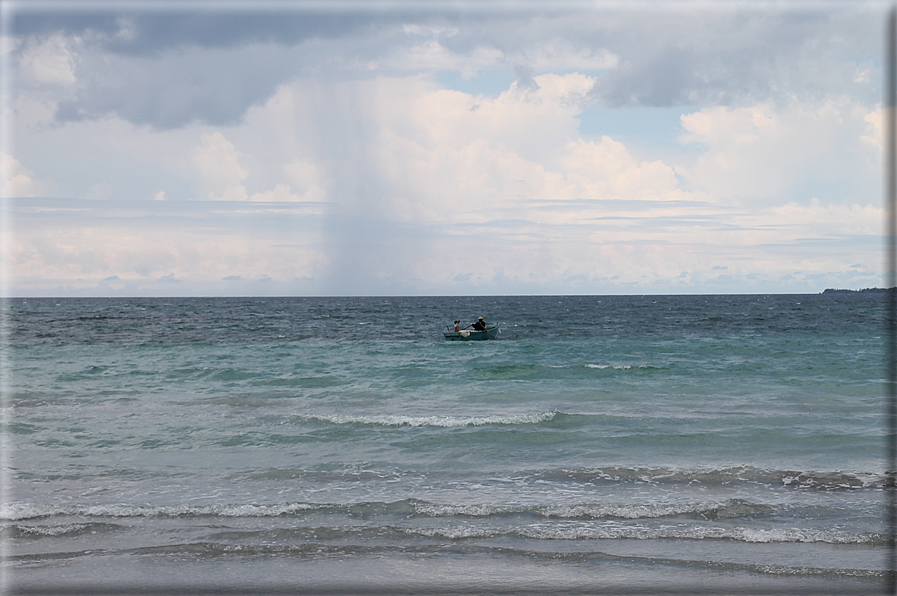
(439, 421)
(627, 511)
(19, 511)
(483, 510)
(454, 533)
(833, 480)
(728, 508)
(690, 532)
(52, 530)
(642, 532)
(220, 510)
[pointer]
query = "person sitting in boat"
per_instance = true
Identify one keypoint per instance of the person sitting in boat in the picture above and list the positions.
(480, 325)
(457, 325)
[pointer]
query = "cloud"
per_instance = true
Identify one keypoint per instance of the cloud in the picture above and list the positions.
(832, 219)
(342, 161)
(217, 164)
(307, 177)
(100, 191)
(17, 180)
(562, 55)
(525, 78)
(175, 88)
(737, 54)
(434, 158)
(432, 55)
(79, 244)
(168, 68)
(48, 61)
(606, 170)
(147, 30)
(406, 150)
(280, 194)
(762, 153)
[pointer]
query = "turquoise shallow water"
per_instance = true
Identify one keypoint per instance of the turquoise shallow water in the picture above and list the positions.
(669, 442)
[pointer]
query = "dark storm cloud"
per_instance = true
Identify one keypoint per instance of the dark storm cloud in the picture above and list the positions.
(210, 87)
(201, 64)
(663, 79)
(726, 57)
(525, 78)
(209, 64)
(150, 33)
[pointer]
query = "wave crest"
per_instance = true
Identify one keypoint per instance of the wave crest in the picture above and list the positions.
(435, 420)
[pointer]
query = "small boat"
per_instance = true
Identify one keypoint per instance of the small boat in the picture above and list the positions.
(491, 332)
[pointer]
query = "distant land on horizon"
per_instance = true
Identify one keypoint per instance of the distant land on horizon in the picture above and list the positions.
(866, 290)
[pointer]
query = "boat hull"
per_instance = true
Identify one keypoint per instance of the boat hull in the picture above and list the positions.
(471, 335)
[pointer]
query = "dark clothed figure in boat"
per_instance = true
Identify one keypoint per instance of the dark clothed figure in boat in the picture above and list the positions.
(480, 325)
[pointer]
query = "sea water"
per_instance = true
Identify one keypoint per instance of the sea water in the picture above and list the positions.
(603, 444)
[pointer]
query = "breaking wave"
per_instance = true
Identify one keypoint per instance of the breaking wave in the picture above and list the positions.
(636, 532)
(434, 421)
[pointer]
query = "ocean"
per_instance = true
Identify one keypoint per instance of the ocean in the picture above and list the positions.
(602, 445)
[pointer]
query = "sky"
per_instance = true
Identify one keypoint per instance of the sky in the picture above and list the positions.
(440, 148)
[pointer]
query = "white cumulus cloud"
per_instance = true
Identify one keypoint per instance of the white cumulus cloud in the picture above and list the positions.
(17, 180)
(765, 153)
(49, 61)
(217, 164)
